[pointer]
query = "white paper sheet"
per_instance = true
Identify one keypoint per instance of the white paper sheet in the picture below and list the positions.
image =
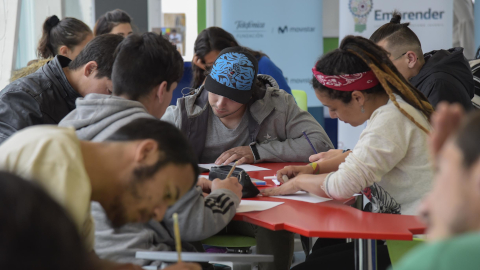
(304, 197)
(273, 178)
(249, 206)
(245, 167)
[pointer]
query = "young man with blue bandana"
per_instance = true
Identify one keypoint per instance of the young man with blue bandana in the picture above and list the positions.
(238, 115)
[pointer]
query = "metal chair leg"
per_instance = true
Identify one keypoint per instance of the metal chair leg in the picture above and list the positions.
(306, 244)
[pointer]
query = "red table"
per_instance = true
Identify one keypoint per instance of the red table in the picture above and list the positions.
(331, 219)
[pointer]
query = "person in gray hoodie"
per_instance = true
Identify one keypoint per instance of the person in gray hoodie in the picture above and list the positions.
(145, 73)
(238, 115)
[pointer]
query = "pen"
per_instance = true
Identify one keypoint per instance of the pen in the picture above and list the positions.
(178, 242)
(308, 140)
(231, 170)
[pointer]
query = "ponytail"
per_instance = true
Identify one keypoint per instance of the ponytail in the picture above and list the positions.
(45, 48)
(68, 32)
(357, 54)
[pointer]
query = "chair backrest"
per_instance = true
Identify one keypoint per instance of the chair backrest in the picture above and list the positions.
(301, 99)
(397, 248)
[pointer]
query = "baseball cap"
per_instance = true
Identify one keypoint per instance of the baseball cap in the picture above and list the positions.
(233, 75)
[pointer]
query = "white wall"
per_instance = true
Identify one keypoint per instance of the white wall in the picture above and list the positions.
(189, 7)
(44, 9)
(9, 22)
(155, 17)
(80, 9)
(330, 18)
(214, 13)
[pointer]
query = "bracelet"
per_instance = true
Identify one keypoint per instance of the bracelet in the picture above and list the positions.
(316, 167)
(254, 149)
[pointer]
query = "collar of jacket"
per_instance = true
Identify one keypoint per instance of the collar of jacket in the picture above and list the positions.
(54, 71)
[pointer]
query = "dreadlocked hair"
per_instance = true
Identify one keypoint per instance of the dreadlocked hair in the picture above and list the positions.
(357, 54)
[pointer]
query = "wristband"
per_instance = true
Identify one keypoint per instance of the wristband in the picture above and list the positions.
(254, 149)
(316, 168)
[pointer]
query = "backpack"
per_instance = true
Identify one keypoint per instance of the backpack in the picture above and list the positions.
(475, 68)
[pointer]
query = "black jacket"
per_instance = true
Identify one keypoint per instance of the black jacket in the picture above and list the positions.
(43, 97)
(446, 76)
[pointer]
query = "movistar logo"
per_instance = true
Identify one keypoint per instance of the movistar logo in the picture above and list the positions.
(294, 29)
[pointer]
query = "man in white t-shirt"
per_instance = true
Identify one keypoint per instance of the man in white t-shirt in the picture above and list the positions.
(145, 167)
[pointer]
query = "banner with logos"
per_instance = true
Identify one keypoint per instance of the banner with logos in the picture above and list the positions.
(289, 32)
(431, 20)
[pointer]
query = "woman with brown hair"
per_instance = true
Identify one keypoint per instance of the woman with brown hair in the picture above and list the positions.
(116, 22)
(66, 37)
(390, 162)
(211, 41)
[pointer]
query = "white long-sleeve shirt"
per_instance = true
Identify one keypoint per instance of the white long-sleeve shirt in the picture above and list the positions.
(392, 152)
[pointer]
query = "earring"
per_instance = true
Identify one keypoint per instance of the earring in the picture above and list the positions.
(363, 110)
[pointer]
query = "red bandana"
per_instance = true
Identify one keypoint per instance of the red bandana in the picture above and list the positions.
(347, 82)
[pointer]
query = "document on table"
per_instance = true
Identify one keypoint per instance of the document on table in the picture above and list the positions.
(304, 197)
(245, 167)
(250, 206)
(274, 179)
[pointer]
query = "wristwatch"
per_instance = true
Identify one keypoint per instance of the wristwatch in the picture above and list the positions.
(253, 147)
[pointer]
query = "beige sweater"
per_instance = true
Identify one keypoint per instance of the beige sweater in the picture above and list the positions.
(392, 152)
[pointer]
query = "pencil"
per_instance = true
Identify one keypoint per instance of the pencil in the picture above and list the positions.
(178, 242)
(308, 140)
(231, 170)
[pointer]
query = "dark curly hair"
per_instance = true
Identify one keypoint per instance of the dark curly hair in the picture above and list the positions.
(357, 54)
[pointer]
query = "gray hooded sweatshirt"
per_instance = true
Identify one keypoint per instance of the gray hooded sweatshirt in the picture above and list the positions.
(275, 124)
(95, 118)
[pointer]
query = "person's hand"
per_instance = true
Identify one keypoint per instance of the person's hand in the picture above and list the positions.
(184, 266)
(243, 154)
(445, 121)
(230, 183)
(198, 62)
(293, 171)
(325, 155)
(205, 184)
(289, 187)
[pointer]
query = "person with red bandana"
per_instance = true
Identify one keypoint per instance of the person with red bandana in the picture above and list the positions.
(390, 162)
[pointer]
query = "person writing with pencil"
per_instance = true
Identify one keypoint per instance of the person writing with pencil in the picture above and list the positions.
(237, 115)
(390, 163)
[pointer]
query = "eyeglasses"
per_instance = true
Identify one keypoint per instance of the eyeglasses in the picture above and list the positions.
(400, 56)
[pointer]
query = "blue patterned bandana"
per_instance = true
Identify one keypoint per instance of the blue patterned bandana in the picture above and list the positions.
(233, 75)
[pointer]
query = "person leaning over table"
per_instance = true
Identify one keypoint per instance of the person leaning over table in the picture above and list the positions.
(236, 115)
(151, 57)
(390, 162)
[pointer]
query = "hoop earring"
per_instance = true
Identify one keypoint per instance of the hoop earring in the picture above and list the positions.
(363, 110)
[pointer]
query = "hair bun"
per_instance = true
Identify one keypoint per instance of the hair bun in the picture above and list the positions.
(53, 21)
(396, 18)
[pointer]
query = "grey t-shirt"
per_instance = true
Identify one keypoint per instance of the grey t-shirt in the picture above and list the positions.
(220, 138)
